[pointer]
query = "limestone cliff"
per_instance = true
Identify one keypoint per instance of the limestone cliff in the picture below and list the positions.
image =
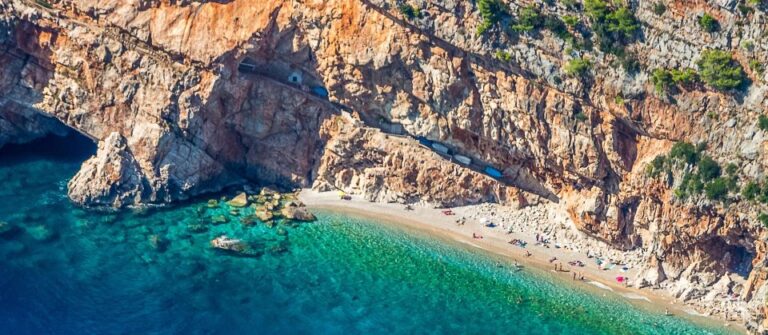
(187, 97)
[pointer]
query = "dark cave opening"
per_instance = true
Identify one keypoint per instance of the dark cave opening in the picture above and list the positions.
(70, 148)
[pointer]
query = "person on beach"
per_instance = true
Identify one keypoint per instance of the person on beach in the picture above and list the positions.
(528, 253)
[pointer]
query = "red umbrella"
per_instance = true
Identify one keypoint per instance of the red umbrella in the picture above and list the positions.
(619, 279)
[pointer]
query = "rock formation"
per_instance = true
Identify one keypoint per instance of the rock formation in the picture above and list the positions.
(160, 86)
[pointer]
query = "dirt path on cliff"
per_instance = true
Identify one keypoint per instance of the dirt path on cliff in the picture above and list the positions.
(496, 240)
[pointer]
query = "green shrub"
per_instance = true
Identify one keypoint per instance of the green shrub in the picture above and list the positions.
(731, 169)
(503, 56)
(659, 8)
(571, 4)
(614, 27)
(596, 9)
(578, 66)
(756, 66)
(571, 20)
(763, 218)
(656, 166)
(717, 189)
(529, 18)
(708, 168)
(744, 9)
(580, 116)
(747, 45)
(762, 122)
(662, 80)
(557, 27)
(684, 77)
(409, 11)
(750, 191)
(685, 152)
(718, 69)
(708, 23)
(623, 22)
(492, 11)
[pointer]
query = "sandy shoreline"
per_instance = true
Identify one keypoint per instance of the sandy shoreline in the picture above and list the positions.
(495, 240)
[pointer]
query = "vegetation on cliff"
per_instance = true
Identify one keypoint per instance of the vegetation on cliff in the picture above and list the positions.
(718, 69)
(492, 11)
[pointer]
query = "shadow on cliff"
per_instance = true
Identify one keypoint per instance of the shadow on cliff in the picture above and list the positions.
(71, 148)
(263, 123)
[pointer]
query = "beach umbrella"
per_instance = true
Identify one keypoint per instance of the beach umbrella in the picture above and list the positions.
(620, 279)
(483, 221)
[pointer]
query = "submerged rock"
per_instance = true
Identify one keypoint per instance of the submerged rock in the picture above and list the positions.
(197, 227)
(41, 233)
(219, 219)
(158, 243)
(241, 200)
(213, 203)
(249, 220)
(7, 229)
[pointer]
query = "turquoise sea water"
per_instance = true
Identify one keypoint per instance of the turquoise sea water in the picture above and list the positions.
(70, 271)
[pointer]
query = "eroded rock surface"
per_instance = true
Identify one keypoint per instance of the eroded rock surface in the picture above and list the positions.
(157, 84)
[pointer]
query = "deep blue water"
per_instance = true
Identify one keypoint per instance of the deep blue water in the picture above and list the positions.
(70, 271)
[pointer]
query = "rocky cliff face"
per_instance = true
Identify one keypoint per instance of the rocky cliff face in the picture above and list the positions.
(159, 85)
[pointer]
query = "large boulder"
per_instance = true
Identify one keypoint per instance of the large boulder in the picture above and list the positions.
(297, 212)
(241, 200)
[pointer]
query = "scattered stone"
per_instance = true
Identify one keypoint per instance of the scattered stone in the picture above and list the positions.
(264, 215)
(197, 228)
(241, 200)
(41, 233)
(158, 243)
(249, 220)
(278, 249)
(219, 219)
(266, 191)
(261, 199)
(234, 212)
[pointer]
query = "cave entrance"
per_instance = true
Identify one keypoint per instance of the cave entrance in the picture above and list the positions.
(741, 261)
(72, 148)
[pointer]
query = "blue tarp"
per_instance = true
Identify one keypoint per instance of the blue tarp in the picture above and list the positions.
(424, 141)
(492, 172)
(320, 91)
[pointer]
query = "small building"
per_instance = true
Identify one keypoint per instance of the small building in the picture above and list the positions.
(296, 77)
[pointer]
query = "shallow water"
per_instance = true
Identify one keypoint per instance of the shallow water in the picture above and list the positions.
(70, 271)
